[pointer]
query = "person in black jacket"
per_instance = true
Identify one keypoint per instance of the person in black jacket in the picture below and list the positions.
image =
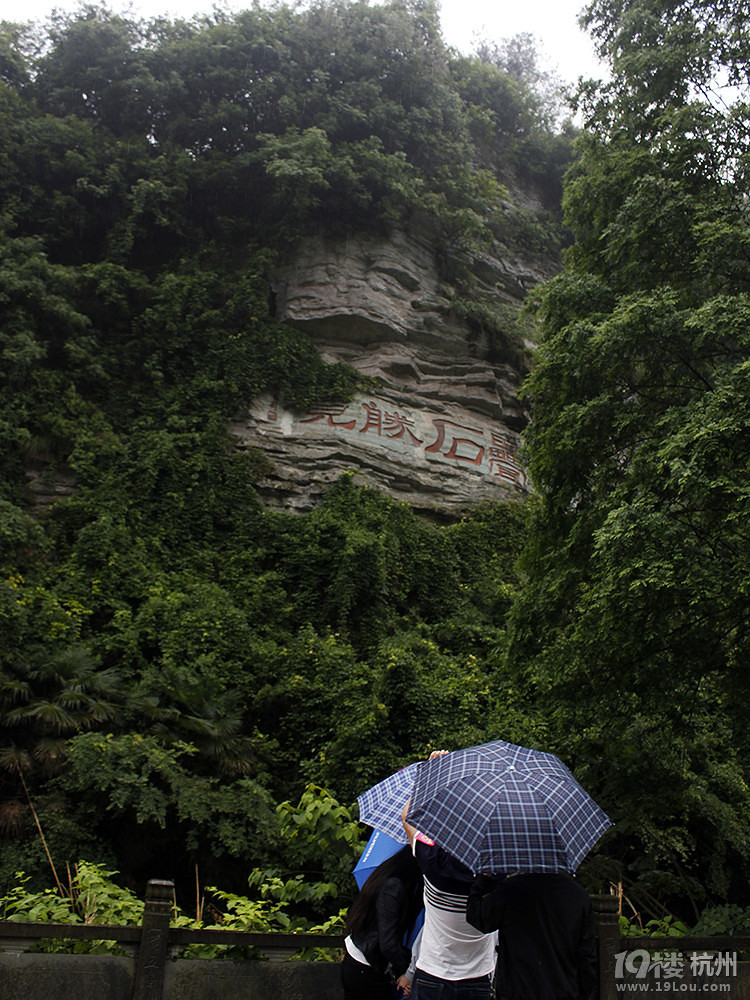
(547, 947)
(376, 957)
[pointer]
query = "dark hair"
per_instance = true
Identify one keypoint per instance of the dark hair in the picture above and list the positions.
(400, 865)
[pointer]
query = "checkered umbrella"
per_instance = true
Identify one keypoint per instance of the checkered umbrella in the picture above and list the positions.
(380, 806)
(503, 808)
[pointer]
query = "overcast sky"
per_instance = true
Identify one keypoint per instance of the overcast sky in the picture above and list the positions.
(559, 40)
(553, 23)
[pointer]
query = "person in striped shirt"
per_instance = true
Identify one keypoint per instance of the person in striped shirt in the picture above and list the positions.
(455, 960)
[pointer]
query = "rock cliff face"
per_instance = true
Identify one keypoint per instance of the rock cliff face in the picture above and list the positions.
(440, 430)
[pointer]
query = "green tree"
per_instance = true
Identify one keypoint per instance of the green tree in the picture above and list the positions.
(637, 558)
(153, 175)
(140, 782)
(93, 70)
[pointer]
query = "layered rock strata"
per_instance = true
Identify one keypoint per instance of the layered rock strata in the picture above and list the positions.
(441, 429)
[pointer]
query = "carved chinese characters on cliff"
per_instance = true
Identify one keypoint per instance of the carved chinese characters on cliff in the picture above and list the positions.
(474, 444)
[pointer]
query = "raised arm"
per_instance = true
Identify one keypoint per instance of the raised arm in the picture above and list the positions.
(411, 831)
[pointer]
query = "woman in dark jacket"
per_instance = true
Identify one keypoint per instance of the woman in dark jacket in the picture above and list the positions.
(378, 920)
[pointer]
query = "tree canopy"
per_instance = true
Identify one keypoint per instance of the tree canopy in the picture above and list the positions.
(179, 665)
(637, 554)
(176, 662)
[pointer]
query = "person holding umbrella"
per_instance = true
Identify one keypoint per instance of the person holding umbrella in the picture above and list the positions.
(455, 961)
(376, 958)
(547, 948)
(504, 808)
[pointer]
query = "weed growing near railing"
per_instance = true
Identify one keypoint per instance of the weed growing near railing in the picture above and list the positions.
(667, 926)
(275, 911)
(91, 897)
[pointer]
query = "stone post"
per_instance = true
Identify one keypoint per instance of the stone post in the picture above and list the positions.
(152, 952)
(608, 935)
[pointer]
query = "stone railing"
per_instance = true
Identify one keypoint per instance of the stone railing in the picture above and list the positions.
(626, 964)
(660, 966)
(151, 973)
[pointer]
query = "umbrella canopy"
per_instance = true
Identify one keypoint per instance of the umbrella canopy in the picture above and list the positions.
(380, 806)
(379, 847)
(504, 808)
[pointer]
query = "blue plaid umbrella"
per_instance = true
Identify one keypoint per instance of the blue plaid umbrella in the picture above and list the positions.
(380, 806)
(503, 808)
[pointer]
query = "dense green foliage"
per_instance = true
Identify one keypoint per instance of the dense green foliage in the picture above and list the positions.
(177, 664)
(274, 901)
(174, 660)
(638, 556)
